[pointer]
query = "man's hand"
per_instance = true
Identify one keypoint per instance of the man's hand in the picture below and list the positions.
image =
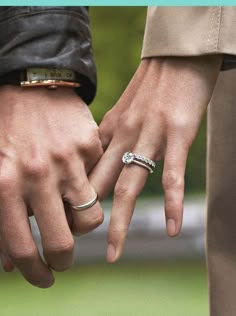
(158, 116)
(48, 143)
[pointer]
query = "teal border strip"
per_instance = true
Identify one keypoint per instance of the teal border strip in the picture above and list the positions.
(118, 3)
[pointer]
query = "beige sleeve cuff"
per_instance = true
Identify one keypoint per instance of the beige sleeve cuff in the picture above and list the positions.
(189, 31)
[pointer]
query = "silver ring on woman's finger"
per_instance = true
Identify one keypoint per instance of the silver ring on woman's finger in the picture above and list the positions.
(87, 205)
(142, 161)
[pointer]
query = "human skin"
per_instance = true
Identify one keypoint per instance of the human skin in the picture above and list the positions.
(49, 142)
(157, 116)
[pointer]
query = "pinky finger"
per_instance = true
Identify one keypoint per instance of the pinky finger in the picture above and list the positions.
(173, 185)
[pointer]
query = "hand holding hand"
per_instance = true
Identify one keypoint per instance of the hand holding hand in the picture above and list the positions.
(158, 117)
(49, 142)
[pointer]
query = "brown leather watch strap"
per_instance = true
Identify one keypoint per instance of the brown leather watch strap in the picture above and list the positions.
(34, 77)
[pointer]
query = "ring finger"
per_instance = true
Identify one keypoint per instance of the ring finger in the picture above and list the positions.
(129, 185)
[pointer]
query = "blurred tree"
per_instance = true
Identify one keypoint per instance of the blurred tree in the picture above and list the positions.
(117, 42)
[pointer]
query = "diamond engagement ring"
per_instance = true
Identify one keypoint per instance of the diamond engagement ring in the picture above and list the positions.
(85, 206)
(139, 160)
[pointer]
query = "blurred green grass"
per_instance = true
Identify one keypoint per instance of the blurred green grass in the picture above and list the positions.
(124, 289)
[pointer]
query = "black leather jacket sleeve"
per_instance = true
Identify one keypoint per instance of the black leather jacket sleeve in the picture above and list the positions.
(54, 37)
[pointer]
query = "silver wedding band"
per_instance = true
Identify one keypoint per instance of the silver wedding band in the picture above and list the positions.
(85, 206)
(139, 160)
(139, 163)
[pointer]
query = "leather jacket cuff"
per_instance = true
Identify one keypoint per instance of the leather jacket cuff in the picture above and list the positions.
(53, 37)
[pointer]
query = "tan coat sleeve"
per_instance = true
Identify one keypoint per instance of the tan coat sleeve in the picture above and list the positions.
(189, 31)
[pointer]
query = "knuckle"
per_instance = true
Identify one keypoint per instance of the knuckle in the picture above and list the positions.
(123, 192)
(91, 142)
(22, 254)
(127, 123)
(37, 168)
(92, 133)
(64, 247)
(91, 223)
(171, 205)
(97, 220)
(172, 179)
(7, 182)
(64, 153)
(179, 123)
(117, 233)
(172, 200)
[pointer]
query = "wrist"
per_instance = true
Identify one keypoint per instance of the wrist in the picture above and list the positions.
(185, 71)
(38, 97)
(212, 62)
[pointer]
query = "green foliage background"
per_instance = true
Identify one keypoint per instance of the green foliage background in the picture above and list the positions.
(140, 289)
(117, 42)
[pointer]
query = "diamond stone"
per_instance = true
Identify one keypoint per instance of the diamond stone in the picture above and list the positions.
(128, 158)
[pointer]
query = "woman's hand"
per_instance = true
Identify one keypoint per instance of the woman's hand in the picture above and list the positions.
(48, 144)
(157, 116)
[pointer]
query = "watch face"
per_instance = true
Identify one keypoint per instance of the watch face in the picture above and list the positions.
(37, 74)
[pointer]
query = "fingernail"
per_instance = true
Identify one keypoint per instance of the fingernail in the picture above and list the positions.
(111, 253)
(171, 227)
(46, 284)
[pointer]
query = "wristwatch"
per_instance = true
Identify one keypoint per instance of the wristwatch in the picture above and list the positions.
(50, 78)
